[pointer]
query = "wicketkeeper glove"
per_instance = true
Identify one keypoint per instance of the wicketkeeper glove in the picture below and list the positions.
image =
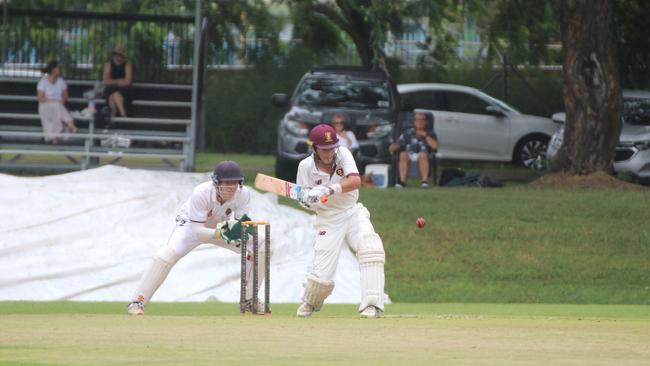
(230, 230)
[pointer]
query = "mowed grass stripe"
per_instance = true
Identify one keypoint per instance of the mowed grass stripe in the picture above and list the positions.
(419, 336)
(398, 310)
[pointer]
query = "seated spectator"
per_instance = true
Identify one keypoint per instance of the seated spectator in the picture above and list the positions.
(52, 93)
(346, 137)
(415, 144)
(117, 79)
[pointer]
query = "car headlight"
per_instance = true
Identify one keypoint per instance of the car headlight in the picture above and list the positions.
(642, 145)
(379, 131)
(296, 128)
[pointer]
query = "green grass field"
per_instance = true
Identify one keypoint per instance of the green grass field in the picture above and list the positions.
(517, 244)
(509, 276)
(70, 333)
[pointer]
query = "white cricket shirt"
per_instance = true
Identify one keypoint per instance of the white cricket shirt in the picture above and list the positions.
(202, 206)
(310, 176)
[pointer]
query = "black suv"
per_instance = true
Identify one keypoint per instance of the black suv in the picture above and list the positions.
(368, 99)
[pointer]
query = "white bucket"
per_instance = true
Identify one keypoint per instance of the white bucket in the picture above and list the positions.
(379, 173)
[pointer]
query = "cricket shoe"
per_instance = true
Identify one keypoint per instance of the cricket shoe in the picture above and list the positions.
(136, 308)
(305, 310)
(371, 312)
(248, 306)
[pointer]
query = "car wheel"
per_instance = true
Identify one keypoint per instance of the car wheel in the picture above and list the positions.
(530, 149)
(285, 169)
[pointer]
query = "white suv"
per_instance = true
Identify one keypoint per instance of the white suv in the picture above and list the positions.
(633, 149)
(472, 125)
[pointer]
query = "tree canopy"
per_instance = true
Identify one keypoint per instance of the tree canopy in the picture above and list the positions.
(602, 51)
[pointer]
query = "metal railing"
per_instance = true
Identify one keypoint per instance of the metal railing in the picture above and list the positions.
(95, 145)
(159, 46)
(161, 49)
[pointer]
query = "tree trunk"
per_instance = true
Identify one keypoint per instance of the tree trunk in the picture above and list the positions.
(592, 92)
(351, 19)
(359, 30)
(364, 50)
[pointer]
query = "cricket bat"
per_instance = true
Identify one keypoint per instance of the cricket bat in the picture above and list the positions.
(280, 187)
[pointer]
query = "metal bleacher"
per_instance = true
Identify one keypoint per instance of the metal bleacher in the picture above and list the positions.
(157, 133)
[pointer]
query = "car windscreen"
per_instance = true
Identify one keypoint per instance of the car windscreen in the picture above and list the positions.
(636, 111)
(343, 92)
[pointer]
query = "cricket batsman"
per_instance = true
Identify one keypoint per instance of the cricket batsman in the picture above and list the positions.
(213, 214)
(331, 171)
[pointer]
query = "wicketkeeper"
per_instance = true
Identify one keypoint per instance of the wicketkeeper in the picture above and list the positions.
(331, 171)
(213, 214)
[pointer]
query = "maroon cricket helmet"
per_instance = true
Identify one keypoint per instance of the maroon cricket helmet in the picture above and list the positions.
(323, 137)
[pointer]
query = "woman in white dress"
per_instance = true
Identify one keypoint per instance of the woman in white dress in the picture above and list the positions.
(52, 94)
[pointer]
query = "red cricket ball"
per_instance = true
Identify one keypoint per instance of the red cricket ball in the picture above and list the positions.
(420, 222)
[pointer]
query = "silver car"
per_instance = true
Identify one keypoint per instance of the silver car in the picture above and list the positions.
(472, 125)
(633, 149)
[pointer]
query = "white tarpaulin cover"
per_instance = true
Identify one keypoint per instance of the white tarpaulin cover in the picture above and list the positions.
(89, 235)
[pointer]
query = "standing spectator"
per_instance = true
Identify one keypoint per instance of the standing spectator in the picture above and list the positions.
(118, 76)
(415, 144)
(52, 94)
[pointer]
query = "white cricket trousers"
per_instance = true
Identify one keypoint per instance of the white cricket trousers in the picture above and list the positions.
(182, 241)
(351, 226)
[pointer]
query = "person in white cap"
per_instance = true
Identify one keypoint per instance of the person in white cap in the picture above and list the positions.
(331, 171)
